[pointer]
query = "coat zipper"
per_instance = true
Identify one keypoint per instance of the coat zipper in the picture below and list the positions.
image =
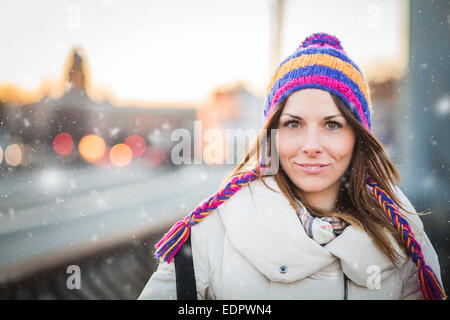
(345, 287)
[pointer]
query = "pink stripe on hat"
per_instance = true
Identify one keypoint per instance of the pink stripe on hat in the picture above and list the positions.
(325, 81)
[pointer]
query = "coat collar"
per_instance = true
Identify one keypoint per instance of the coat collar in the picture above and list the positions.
(262, 225)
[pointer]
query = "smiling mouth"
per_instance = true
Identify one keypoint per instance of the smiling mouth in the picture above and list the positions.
(312, 169)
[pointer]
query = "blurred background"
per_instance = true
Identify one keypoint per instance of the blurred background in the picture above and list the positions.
(93, 95)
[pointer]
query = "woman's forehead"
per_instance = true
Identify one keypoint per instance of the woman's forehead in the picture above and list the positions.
(312, 102)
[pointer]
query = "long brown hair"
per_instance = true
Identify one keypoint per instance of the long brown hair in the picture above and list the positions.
(355, 202)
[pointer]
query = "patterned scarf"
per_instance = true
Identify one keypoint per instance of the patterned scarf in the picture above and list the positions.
(321, 230)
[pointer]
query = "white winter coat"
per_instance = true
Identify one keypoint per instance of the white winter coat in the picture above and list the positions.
(254, 247)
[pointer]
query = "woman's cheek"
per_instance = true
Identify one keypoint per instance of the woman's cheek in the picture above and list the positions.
(288, 145)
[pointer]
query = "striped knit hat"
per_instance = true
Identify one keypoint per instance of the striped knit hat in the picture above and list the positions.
(320, 62)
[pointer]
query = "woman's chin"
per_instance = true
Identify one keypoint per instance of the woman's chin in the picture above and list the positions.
(312, 189)
(311, 186)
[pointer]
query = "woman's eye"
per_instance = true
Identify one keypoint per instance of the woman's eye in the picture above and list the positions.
(333, 125)
(291, 124)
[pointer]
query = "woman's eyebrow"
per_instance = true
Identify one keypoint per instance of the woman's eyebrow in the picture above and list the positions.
(299, 118)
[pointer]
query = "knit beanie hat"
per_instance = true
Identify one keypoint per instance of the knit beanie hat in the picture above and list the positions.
(320, 62)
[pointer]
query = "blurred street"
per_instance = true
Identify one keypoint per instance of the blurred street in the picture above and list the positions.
(84, 211)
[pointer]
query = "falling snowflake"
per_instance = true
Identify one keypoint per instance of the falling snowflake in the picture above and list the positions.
(101, 202)
(72, 184)
(51, 178)
(442, 106)
(428, 182)
(114, 131)
(155, 136)
(143, 214)
(12, 213)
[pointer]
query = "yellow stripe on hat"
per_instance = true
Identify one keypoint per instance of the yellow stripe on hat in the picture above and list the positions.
(323, 60)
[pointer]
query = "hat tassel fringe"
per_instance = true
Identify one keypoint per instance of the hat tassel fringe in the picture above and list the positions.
(429, 283)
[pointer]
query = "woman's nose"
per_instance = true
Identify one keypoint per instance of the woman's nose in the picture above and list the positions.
(312, 144)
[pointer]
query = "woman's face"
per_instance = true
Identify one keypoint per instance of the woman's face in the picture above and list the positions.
(315, 142)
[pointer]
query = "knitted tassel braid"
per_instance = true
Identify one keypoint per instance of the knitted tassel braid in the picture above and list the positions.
(172, 241)
(429, 283)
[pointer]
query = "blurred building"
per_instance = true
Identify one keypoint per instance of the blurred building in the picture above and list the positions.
(230, 118)
(33, 125)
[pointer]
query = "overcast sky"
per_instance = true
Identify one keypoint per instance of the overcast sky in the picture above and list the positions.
(179, 50)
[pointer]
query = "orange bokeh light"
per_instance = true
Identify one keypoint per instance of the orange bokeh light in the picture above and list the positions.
(120, 155)
(92, 148)
(13, 155)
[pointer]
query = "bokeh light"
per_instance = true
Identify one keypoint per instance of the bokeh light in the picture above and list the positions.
(13, 155)
(137, 145)
(92, 148)
(120, 155)
(63, 144)
(1, 154)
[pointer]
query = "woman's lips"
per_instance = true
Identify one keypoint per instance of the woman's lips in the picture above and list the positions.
(309, 170)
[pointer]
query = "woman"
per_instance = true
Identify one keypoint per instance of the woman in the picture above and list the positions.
(320, 216)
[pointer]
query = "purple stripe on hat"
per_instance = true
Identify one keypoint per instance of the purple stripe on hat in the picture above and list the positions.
(325, 83)
(332, 52)
(319, 70)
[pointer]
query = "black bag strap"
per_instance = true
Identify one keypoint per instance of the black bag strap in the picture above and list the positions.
(184, 272)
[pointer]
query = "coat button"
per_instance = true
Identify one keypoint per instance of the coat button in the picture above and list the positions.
(283, 269)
